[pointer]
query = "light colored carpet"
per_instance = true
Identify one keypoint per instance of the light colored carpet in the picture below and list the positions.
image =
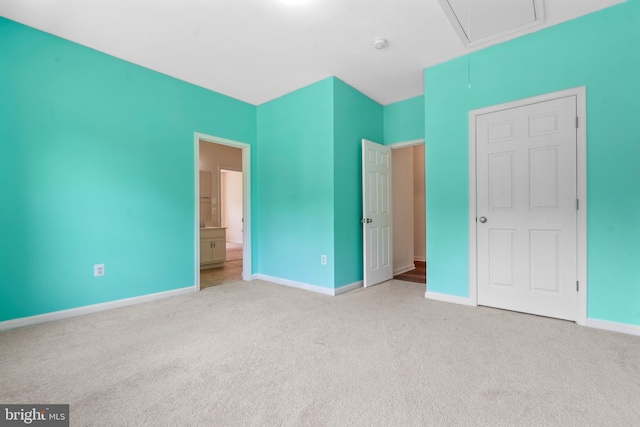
(259, 354)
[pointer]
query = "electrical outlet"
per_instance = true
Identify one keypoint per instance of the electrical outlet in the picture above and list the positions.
(323, 259)
(98, 270)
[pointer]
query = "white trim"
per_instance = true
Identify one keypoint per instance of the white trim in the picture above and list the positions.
(613, 326)
(473, 214)
(308, 287)
(404, 269)
(498, 37)
(449, 298)
(347, 288)
(294, 284)
(246, 201)
(419, 258)
(88, 309)
(404, 144)
(581, 110)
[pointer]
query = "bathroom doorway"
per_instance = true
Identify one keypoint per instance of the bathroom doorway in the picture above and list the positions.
(223, 222)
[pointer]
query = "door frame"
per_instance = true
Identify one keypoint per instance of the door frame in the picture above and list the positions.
(246, 201)
(413, 143)
(581, 227)
(393, 146)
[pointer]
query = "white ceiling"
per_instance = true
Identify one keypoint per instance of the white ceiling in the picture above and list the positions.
(482, 19)
(258, 50)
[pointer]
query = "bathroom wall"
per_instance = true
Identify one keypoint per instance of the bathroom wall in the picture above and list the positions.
(231, 207)
(212, 158)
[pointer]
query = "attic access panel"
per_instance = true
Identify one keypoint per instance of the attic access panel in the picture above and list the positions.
(478, 21)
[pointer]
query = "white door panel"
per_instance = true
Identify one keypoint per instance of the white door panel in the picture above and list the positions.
(376, 203)
(526, 192)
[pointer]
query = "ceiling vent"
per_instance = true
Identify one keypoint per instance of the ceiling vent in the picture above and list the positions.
(480, 21)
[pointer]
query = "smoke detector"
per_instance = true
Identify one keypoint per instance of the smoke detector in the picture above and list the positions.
(379, 44)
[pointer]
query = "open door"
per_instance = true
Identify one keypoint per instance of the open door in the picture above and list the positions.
(376, 217)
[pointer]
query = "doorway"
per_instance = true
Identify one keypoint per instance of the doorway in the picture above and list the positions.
(409, 211)
(223, 223)
(387, 252)
(231, 211)
(528, 181)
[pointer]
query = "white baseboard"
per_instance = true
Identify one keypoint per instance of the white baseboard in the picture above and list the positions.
(419, 258)
(449, 298)
(294, 284)
(404, 269)
(614, 326)
(87, 309)
(346, 288)
(307, 286)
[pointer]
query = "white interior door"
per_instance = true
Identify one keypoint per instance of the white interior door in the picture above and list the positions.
(377, 220)
(526, 208)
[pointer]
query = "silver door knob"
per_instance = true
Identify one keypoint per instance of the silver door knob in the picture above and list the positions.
(366, 220)
(483, 219)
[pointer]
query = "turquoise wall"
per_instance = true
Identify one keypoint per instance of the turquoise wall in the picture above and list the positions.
(309, 182)
(356, 116)
(598, 51)
(99, 154)
(96, 166)
(295, 185)
(404, 120)
(96, 161)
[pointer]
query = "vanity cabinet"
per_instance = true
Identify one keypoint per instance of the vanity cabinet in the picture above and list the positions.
(213, 247)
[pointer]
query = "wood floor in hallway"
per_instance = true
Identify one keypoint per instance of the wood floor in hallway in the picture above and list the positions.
(418, 275)
(231, 272)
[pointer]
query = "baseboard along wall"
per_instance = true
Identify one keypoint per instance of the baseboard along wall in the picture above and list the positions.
(614, 326)
(448, 298)
(94, 308)
(606, 325)
(307, 286)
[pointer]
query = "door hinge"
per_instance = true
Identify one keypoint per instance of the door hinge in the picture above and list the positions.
(577, 122)
(577, 286)
(577, 204)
